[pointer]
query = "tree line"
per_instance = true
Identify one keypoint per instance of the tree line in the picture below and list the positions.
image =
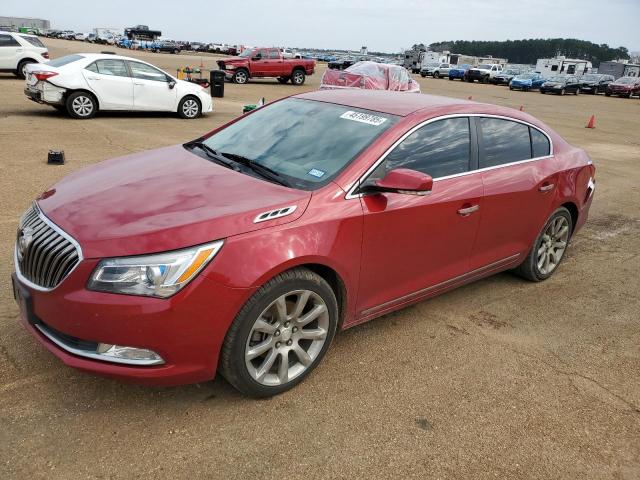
(528, 51)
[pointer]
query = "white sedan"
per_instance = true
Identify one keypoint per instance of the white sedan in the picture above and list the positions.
(82, 84)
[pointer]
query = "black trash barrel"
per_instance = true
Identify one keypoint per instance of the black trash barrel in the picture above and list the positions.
(217, 83)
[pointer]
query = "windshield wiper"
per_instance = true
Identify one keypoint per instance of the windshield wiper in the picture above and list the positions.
(260, 169)
(212, 154)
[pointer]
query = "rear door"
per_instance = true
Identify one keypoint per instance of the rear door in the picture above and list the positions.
(519, 177)
(151, 90)
(110, 81)
(10, 51)
(274, 63)
(412, 242)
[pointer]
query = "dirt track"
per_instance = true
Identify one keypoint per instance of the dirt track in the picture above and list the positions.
(498, 379)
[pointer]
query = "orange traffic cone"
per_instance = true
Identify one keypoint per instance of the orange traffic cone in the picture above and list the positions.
(592, 122)
(521, 108)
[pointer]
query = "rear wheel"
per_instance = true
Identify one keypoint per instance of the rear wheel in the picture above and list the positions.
(81, 105)
(549, 248)
(298, 77)
(281, 334)
(21, 70)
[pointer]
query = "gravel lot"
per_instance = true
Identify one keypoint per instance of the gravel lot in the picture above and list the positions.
(498, 379)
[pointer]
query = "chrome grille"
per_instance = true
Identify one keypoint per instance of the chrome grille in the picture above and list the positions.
(44, 254)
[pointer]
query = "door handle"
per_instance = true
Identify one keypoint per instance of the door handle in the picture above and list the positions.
(546, 187)
(139, 84)
(93, 78)
(466, 211)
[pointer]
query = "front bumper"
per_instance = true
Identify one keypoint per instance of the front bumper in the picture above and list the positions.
(521, 86)
(186, 330)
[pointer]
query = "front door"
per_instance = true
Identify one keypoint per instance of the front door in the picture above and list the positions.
(412, 243)
(151, 90)
(519, 180)
(259, 63)
(10, 51)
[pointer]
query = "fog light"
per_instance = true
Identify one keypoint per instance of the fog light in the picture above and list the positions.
(129, 354)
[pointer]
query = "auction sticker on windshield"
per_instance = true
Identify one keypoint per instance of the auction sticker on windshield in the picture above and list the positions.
(363, 118)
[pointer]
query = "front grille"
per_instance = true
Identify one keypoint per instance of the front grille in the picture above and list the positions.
(45, 255)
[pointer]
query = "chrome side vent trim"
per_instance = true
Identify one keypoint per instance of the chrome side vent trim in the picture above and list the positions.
(277, 213)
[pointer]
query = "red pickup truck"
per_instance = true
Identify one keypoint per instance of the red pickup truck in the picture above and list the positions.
(266, 62)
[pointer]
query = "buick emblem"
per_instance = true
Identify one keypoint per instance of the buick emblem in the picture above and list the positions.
(25, 237)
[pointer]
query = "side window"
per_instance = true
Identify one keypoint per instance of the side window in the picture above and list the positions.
(274, 54)
(92, 67)
(539, 143)
(147, 72)
(259, 55)
(504, 141)
(439, 149)
(112, 67)
(554, 68)
(8, 41)
(571, 69)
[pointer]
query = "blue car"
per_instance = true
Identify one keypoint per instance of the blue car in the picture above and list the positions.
(459, 72)
(526, 82)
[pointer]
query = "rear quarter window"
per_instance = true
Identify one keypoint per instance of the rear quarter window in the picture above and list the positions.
(60, 62)
(539, 143)
(35, 41)
(504, 141)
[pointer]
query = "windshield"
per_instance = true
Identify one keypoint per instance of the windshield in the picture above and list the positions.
(526, 76)
(433, 64)
(59, 62)
(591, 78)
(484, 66)
(558, 78)
(308, 143)
(626, 81)
(246, 53)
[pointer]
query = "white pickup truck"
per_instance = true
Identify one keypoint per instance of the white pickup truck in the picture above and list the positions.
(484, 72)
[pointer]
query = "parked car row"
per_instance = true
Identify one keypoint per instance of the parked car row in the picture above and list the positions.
(525, 81)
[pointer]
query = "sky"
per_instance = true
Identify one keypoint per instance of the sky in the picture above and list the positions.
(381, 25)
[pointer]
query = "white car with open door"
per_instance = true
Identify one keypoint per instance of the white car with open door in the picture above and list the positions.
(82, 84)
(17, 50)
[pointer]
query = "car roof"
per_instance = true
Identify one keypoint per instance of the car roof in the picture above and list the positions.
(384, 101)
(99, 56)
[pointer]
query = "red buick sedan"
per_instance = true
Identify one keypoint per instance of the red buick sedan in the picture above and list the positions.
(245, 250)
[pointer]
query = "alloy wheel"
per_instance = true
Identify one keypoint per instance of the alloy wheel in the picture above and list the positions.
(287, 337)
(241, 77)
(297, 78)
(190, 108)
(82, 106)
(552, 245)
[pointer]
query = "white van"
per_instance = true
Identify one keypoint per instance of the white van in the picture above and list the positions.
(17, 50)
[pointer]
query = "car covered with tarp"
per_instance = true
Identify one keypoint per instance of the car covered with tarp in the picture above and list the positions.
(371, 76)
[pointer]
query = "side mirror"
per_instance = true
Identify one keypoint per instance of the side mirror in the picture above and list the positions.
(401, 180)
(257, 57)
(172, 83)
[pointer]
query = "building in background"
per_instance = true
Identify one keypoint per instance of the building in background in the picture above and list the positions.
(15, 23)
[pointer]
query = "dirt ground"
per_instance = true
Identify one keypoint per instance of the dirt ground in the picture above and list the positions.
(498, 379)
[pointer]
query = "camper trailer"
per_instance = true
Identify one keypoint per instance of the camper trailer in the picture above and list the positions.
(619, 69)
(548, 67)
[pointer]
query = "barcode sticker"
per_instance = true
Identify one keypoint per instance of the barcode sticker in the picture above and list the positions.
(363, 118)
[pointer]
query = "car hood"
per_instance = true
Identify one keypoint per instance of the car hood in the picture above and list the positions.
(161, 200)
(232, 59)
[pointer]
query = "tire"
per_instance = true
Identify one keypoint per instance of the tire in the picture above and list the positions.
(542, 91)
(577, 92)
(423, 75)
(607, 94)
(241, 76)
(283, 80)
(562, 92)
(81, 105)
(189, 107)
(451, 78)
(258, 372)
(436, 74)
(530, 268)
(595, 91)
(20, 73)
(298, 77)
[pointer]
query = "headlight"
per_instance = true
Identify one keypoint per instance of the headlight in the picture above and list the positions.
(159, 275)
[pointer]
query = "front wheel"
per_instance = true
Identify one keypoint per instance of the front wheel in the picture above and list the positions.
(189, 108)
(241, 77)
(549, 248)
(562, 92)
(281, 334)
(436, 74)
(298, 77)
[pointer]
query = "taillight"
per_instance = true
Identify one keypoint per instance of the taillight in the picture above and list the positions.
(41, 76)
(45, 55)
